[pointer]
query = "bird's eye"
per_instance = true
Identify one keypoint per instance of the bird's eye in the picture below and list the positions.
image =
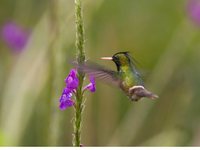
(116, 60)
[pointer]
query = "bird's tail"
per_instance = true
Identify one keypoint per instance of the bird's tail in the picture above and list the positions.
(137, 92)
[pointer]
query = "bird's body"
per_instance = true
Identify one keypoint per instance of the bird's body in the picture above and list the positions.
(127, 78)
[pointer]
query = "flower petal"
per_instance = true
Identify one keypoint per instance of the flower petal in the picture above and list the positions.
(65, 99)
(72, 80)
(92, 85)
(67, 91)
(65, 104)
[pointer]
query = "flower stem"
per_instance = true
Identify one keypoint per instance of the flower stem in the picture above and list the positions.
(80, 59)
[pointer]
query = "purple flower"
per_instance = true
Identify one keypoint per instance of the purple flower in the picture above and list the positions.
(14, 36)
(72, 80)
(65, 104)
(92, 85)
(65, 99)
(71, 86)
(194, 10)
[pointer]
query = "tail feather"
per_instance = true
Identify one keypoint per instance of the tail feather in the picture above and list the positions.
(137, 92)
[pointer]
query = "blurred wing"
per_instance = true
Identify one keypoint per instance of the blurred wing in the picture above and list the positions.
(99, 72)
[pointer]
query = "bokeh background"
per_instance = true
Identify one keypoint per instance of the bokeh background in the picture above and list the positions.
(163, 36)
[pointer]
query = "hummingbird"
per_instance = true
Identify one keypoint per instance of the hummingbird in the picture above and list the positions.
(126, 77)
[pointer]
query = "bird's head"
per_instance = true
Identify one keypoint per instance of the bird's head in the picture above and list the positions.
(120, 59)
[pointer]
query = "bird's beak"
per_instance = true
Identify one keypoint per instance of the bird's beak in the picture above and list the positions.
(107, 58)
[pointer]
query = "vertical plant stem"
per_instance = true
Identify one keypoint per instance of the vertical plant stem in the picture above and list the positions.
(80, 59)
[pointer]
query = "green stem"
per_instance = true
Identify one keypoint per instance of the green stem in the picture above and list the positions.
(80, 59)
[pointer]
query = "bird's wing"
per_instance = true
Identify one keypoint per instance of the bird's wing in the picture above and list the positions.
(99, 72)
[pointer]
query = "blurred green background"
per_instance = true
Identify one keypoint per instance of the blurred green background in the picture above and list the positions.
(159, 34)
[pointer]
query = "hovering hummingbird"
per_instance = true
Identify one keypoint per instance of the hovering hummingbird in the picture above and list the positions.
(127, 78)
